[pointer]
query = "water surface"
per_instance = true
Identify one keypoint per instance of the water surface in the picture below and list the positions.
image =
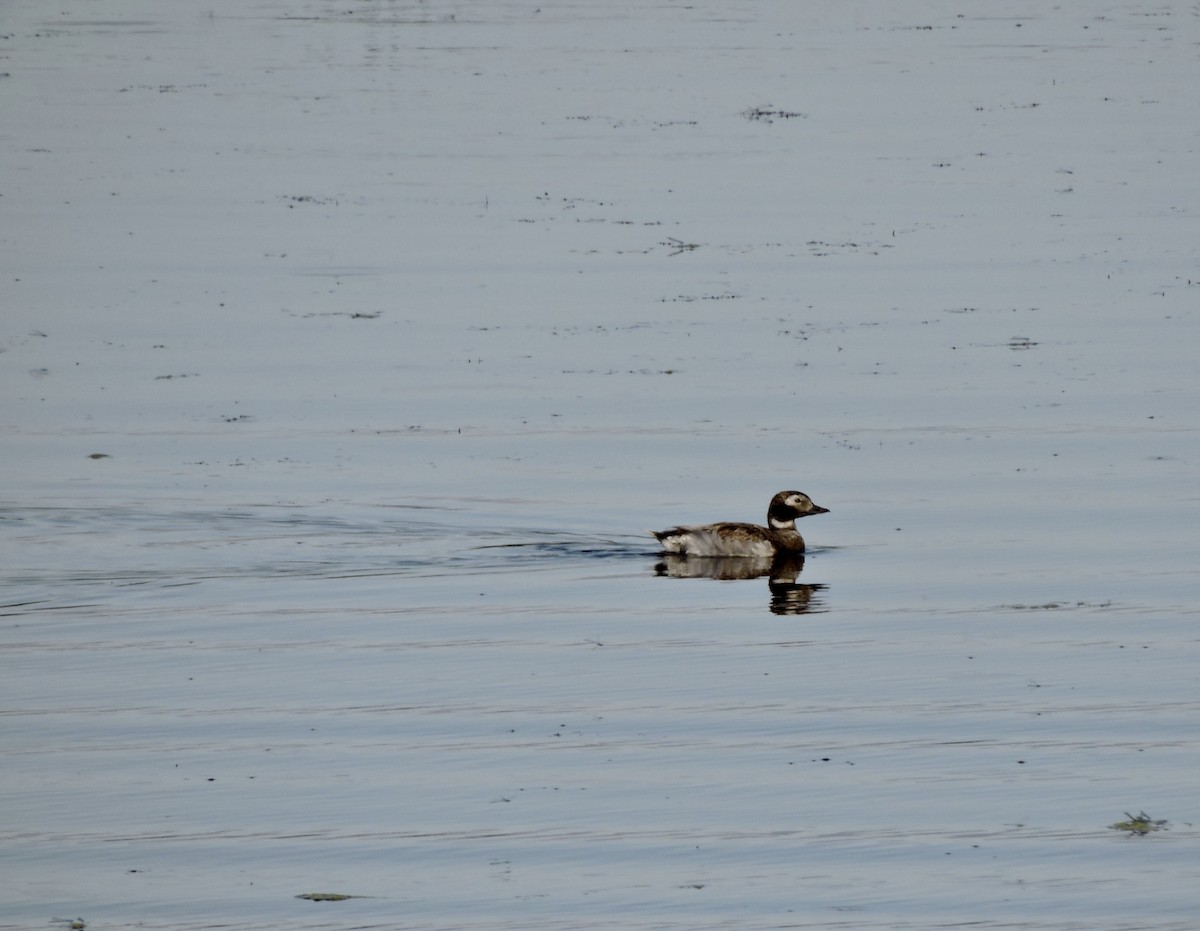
(349, 352)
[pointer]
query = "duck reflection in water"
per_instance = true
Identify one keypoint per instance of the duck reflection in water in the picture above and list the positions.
(788, 596)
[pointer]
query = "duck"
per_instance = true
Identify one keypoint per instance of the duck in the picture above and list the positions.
(731, 538)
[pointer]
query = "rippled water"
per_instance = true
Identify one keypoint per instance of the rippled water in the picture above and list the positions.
(350, 352)
(211, 712)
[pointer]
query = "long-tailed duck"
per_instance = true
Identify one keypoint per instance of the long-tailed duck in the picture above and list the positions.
(735, 539)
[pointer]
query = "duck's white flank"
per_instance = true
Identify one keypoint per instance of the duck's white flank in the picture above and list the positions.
(715, 542)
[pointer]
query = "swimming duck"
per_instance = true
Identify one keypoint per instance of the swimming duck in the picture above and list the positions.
(730, 538)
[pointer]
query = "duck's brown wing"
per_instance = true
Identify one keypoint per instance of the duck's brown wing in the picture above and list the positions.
(729, 528)
(783, 541)
(739, 531)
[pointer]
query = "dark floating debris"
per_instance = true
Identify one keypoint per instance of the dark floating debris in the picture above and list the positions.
(768, 115)
(1141, 823)
(679, 245)
(328, 896)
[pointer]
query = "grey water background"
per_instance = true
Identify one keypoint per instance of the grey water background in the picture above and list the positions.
(349, 349)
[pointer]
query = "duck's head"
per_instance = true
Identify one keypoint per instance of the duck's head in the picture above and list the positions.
(786, 506)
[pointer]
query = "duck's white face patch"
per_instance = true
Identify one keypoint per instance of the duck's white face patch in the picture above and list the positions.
(799, 502)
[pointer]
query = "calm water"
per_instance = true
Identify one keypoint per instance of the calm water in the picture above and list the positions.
(349, 352)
